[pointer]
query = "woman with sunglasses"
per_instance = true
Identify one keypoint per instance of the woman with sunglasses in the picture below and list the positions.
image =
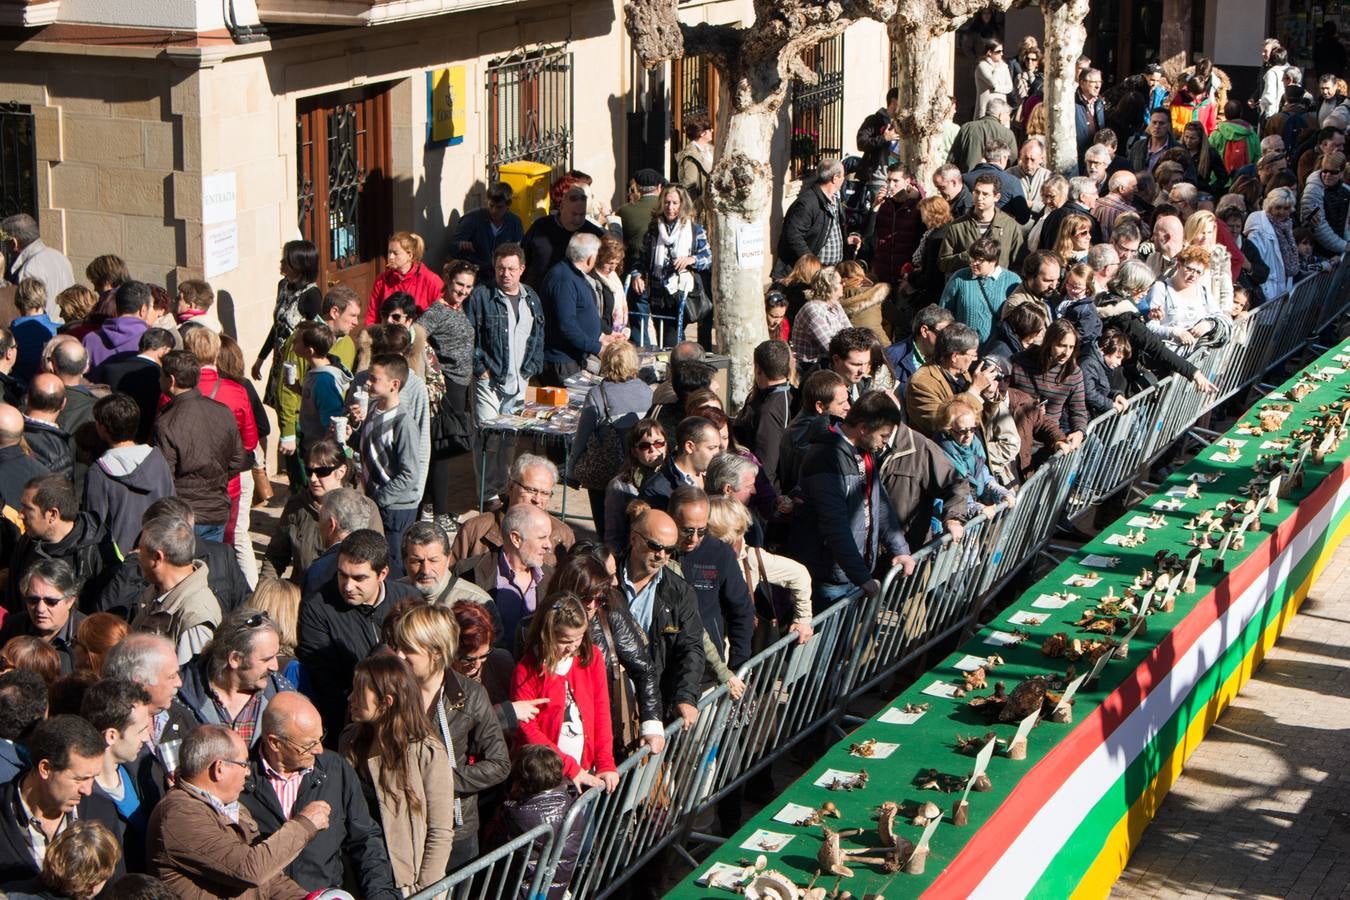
(992, 77)
(1181, 309)
(426, 637)
(963, 445)
(619, 637)
(404, 770)
(297, 542)
(646, 454)
(562, 665)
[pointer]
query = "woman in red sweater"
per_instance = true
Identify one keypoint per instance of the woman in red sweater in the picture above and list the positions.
(562, 666)
(405, 273)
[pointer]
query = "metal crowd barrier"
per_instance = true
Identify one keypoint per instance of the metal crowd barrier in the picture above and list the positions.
(793, 690)
(520, 869)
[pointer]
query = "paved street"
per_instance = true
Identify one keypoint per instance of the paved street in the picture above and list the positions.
(1263, 807)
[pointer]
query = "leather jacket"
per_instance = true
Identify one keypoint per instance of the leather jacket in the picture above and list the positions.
(475, 732)
(630, 646)
(520, 815)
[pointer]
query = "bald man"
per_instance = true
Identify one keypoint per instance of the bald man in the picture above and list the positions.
(1168, 240)
(65, 357)
(49, 443)
(290, 770)
(17, 468)
(667, 608)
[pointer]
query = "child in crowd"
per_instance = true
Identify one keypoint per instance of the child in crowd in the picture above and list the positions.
(325, 384)
(388, 443)
(194, 301)
(540, 795)
(1309, 263)
(775, 311)
(33, 328)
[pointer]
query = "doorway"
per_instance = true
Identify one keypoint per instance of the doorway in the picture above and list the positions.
(344, 155)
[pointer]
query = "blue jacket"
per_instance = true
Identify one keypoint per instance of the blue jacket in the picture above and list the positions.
(476, 228)
(839, 543)
(486, 309)
(571, 315)
(714, 573)
(901, 356)
(977, 301)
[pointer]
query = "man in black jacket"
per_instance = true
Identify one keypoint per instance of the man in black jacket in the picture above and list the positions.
(47, 592)
(874, 138)
(66, 755)
(50, 444)
(762, 423)
(712, 570)
(54, 528)
(854, 530)
(696, 443)
(289, 770)
(340, 624)
(824, 397)
(814, 223)
(138, 376)
(666, 607)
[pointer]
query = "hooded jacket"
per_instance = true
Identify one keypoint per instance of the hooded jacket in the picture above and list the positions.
(120, 487)
(50, 446)
(549, 808)
(918, 477)
(87, 548)
(116, 338)
(195, 695)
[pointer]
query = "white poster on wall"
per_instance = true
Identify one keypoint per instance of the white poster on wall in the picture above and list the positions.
(219, 198)
(220, 249)
(750, 246)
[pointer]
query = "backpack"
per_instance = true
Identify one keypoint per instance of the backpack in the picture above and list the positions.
(1235, 153)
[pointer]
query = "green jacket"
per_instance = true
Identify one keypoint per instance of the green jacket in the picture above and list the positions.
(288, 394)
(1236, 129)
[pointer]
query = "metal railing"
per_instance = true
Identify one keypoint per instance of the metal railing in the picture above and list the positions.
(792, 690)
(522, 868)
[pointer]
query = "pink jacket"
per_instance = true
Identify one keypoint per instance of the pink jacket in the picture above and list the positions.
(425, 286)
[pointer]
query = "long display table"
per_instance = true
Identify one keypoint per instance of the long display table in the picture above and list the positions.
(1062, 820)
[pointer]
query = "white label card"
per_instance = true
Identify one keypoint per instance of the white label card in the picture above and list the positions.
(928, 834)
(1002, 639)
(941, 689)
(766, 841)
(1024, 727)
(1070, 691)
(969, 663)
(793, 813)
(1049, 601)
(895, 716)
(1030, 619)
(830, 776)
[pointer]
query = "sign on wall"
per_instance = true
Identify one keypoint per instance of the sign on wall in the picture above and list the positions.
(220, 224)
(447, 103)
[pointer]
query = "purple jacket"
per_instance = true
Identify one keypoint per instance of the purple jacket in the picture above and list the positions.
(114, 337)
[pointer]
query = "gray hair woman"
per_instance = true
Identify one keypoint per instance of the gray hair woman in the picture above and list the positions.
(1272, 232)
(820, 319)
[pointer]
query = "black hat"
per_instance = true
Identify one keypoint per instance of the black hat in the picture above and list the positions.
(647, 178)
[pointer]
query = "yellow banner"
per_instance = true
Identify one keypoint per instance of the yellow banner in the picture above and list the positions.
(447, 96)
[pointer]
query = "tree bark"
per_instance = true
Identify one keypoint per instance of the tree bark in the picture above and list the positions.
(1064, 37)
(925, 83)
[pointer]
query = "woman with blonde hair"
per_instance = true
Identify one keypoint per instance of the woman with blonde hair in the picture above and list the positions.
(674, 256)
(820, 320)
(281, 601)
(777, 612)
(76, 304)
(407, 273)
(610, 409)
(863, 299)
(797, 283)
(392, 747)
(1202, 230)
(426, 637)
(1074, 239)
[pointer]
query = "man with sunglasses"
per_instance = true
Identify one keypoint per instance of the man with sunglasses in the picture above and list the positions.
(713, 571)
(533, 480)
(48, 590)
(234, 682)
(289, 770)
(204, 843)
(666, 607)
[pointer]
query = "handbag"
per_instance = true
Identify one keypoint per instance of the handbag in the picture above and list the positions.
(773, 601)
(603, 455)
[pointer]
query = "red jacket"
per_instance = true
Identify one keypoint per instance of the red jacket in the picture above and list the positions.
(590, 690)
(425, 286)
(233, 395)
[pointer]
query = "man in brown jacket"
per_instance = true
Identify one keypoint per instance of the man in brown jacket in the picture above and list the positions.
(200, 440)
(204, 844)
(532, 480)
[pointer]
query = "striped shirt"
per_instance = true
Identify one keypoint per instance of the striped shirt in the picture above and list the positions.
(286, 787)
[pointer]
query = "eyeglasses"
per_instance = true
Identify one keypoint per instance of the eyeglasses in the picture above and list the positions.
(1331, 172)
(693, 532)
(324, 471)
(959, 431)
(243, 764)
(541, 493)
(34, 600)
(1193, 271)
(658, 547)
(596, 600)
(651, 445)
(306, 748)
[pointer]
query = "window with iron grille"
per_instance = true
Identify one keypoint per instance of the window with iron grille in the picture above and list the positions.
(18, 160)
(694, 93)
(529, 109)
(818, 109)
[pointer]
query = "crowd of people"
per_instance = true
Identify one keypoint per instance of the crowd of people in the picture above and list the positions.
(390, 689)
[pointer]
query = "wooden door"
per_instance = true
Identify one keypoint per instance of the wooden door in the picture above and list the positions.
(344, 151)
